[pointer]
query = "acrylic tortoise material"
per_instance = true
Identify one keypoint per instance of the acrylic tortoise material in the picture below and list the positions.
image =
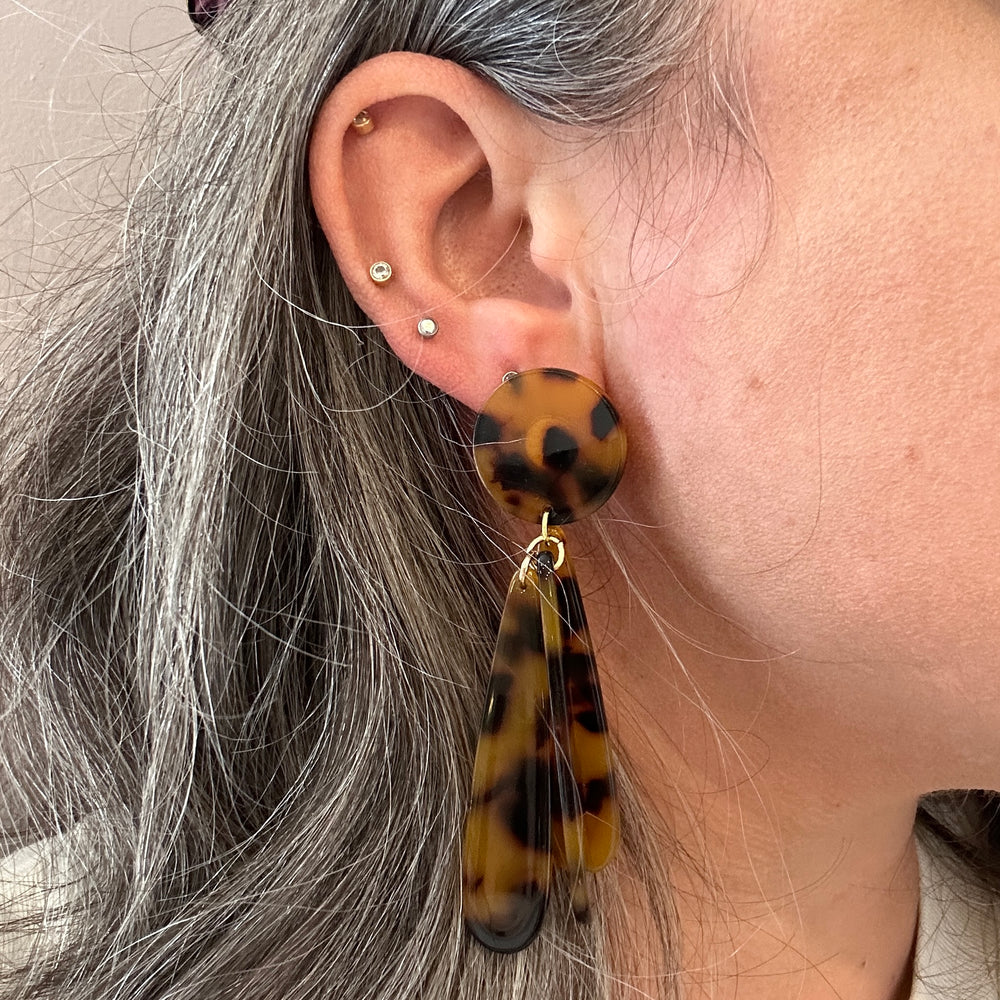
(543, 793)
(506, 852)
(549, 440)
(550, 448)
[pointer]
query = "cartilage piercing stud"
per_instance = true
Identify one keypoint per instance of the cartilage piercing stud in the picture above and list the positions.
(362, 123)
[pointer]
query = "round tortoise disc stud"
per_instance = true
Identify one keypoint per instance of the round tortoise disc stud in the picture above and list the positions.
(549, 439)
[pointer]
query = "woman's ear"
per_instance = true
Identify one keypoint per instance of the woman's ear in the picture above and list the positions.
(470, 200)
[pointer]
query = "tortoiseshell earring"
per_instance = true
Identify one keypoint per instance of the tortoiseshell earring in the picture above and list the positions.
(550, 448)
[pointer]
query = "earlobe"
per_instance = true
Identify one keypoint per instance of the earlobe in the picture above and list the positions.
(456, 188)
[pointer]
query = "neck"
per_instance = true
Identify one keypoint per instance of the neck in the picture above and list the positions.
(784, 894)
(788, 837)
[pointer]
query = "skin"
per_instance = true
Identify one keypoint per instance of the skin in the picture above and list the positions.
(805, 642)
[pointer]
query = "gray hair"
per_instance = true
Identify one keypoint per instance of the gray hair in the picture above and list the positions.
(251, 587)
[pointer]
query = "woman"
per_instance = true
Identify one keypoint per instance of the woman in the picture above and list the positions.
(253, 583)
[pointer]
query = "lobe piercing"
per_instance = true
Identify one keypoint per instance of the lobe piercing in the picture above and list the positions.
(427, 327)
(380, 272)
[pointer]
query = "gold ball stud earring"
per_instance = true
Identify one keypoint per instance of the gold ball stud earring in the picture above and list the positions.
(362, 123)
(380, 272)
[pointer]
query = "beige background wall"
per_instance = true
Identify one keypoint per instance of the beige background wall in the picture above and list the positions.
(73, 79)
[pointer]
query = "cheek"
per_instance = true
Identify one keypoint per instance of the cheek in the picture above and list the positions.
(821, 449)
(819, 442)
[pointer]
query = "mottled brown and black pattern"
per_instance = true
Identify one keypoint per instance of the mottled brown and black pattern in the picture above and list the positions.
(549, 440)
(567, 806)
(588, 747)
(506, 857)
(532, 806)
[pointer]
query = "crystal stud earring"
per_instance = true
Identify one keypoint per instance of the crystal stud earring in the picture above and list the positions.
(380, 272)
